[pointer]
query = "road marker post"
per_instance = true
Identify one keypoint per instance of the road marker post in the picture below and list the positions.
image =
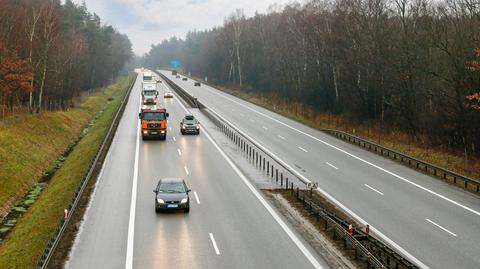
(350, 229)
(65, 213)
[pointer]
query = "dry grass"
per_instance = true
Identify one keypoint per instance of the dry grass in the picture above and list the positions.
(399, 141)
(25, 244)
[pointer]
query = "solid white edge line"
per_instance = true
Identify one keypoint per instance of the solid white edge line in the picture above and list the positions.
(331, 198)
(174, 139)
(373, 189)
(133, 201)
(196, 197)
(331, 165)
(304, 150)
(351, 155)
(438, 225)
(214, 243)
(179, 152)
(274, 214)
(186, 170)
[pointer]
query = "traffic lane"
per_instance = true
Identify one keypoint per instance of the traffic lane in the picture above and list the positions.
(198, 165)
(247, 235)
(100, 242)
(167, 240)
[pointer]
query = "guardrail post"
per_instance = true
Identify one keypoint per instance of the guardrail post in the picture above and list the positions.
(286, 183)
(281, 179)
(276, 175)
(268, 167)
(272, 171)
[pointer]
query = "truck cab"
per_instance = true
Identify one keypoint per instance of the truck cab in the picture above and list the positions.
(154, 122)
(149, 96)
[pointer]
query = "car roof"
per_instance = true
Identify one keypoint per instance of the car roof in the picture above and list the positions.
(171, 180)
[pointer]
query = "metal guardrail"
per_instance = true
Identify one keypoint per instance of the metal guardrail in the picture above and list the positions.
(440, 172)
(278, 170)
(56, 237)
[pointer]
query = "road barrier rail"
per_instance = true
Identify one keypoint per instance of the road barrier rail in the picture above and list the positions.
(374, 252)
(70, 210)
(428, 168)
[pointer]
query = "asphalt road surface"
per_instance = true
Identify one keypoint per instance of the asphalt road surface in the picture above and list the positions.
(229, 225)
(435, 224)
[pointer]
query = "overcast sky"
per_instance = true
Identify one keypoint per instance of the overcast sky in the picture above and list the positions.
(148, 22)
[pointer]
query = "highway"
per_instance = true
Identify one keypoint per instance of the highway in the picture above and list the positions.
(433, 223)
(230, 225)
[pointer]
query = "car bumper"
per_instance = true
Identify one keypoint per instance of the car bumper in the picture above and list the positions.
(190, 131)
(154, 133)
(171, 206)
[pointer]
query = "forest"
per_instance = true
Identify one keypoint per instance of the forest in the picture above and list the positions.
(51, 52)
(408, 65)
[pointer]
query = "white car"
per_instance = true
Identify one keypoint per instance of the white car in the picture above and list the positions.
(168, 94)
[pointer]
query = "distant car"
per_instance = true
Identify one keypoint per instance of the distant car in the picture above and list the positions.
(177, 76)
(196, 83)
(159, 81)
(184, 79)
(168, 94)
(172, 194)
(189, 125)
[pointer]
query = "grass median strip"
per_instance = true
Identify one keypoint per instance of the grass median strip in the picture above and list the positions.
(25, 244)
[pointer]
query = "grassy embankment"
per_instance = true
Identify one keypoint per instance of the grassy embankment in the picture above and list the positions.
(28, 149)
(422, 149)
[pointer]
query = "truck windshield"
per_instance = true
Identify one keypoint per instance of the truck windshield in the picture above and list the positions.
(153, 116)
(149, 93)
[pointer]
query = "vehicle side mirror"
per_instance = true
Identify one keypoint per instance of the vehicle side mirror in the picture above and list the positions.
(139, 115)
(156, 93)
(155, 191)
(168, 115)
(189, 190)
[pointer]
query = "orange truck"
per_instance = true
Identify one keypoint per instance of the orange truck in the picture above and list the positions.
(154, 122)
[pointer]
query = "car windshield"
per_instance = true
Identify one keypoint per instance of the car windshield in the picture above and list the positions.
(189, 118)
(153, 116)
(171, 187)
(149, 93)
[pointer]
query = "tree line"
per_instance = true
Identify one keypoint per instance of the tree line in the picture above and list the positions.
(50, 52)
(411, 65)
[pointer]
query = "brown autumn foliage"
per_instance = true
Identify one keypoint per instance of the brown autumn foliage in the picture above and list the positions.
(52, 50)
(474, 98)
(15, 74)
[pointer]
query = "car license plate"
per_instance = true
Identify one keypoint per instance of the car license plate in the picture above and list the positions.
(154, 133)
(172, 206)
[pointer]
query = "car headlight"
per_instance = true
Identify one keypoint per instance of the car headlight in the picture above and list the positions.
(184, 200)
(145, 132)
(162, 131)
(160, 201)
(198, 127)
(183, 127)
